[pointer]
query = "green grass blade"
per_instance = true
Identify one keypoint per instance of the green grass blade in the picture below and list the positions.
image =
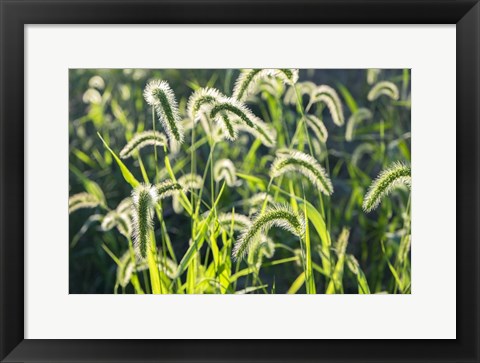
(127, 175)
(297, 284)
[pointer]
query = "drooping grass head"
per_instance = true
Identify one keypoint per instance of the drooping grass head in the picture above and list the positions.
(241, 118)
(279, 215)
(328, 96)
(385, 88)
(160, 96)
(396, 175)
(224, 169)
(295, 161)
(249, 79)
(142, 139)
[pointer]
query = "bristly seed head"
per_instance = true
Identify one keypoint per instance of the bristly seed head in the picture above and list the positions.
(359, 115)
(279, 215)
(82, 200)
(318, 127)
(249, 78)
(296, 161)
(394, 176)
(201, 100)
(144, 199)
(168, 188)
(160, 96)
(141, 140)
(383, 88)
(329, 97)
(243, 119)
(224, 169)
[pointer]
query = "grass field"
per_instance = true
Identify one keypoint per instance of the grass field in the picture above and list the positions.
(253, 181)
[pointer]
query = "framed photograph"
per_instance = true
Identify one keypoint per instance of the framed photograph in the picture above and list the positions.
(239, 181)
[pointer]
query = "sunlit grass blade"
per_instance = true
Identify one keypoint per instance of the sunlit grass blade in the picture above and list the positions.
(127, 175)
(354, 267)
(336, 283)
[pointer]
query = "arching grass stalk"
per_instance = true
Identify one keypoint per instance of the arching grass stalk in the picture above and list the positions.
(396, 175)
(280, 215)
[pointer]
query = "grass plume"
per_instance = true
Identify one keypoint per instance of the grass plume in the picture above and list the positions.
(144, 199)
(360, 115)
(142, 139)
(318, 127)
(386, 88)
(279, 215)
(160, 96)
(327, 95)
(248, 80)
(296, 161)
(224, 169)
(82, 200)
(245, 120)
(394, 176)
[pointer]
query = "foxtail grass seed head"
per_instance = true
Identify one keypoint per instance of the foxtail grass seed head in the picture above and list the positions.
(230, 130)
(201, 100)
(342, 241)
(396, 175)
(248, 80)
(303, 88)
(109, 221)
(372, 75)
(318, 127)
(168, 188)
(279, 215)
(144, 199)
(224, 169)
(298, 162)
(82, 200)
(92, 96)
(142, 139)
(360, 115)
(262, 131)
(243, 119)
(160, 96)
(191, 181)
(235, 221)
(386, 88)
(328, 96)
(96, 82)
(353, 265)
(271, 86)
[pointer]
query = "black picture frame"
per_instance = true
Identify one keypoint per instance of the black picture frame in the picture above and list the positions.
(15, 14)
